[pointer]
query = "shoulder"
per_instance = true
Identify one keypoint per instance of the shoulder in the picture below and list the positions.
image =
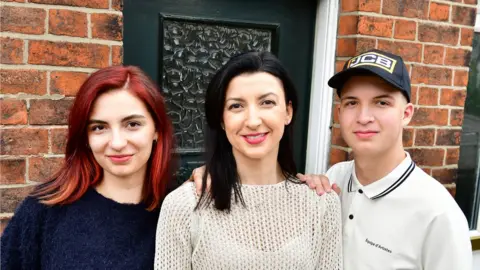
(29, 208)
(182, 199)
(340, 172)
(328, 201)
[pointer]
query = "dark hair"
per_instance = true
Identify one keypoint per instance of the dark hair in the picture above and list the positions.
(220, 162)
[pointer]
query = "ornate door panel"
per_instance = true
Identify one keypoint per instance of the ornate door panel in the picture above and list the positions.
(181, 44)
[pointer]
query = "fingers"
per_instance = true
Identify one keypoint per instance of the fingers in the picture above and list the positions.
(302, 177)
(197, 178)
(325, 183)
(336, 189)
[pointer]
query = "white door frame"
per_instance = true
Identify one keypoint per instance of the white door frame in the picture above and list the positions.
(321, 97)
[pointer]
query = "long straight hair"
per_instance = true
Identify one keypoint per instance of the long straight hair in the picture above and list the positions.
(220, 162)
(80, 170)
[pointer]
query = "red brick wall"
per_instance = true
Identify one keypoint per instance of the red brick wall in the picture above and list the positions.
(435, 39)
(48, 48)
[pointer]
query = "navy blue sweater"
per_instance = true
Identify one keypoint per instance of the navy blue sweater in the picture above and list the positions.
(92, 233)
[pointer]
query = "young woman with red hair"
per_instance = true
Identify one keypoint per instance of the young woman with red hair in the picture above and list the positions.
(100, 210)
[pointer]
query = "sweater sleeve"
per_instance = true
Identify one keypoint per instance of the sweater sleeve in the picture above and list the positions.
(331, 252)
(21, 239)
(173, 245)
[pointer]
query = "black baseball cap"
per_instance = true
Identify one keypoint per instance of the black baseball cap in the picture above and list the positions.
(388, 66)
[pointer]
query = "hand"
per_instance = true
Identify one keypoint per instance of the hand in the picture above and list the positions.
(197, 175)
(320, 183)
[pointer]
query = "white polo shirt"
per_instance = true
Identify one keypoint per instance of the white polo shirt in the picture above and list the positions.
(406, 220)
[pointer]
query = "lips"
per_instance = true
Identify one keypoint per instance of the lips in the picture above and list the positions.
(365, 134)
(255, 138)
(120, 158)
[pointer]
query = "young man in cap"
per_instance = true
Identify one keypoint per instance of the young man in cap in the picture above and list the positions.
(395, 216)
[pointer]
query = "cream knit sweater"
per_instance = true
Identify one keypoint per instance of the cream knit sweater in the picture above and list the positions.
(284, 226)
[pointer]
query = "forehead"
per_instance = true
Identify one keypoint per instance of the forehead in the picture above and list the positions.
(117, 103)
(253, 84)
(368, 86)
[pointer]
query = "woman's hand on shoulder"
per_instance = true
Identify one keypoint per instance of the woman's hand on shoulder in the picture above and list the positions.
(196, 177)
(320, 183)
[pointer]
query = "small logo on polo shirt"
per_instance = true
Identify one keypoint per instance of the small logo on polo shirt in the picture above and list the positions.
(377, 245)
(373, 59)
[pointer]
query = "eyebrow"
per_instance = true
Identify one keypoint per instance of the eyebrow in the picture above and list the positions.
(130, 117)
(385, 96)
(377, 97)
(260, 97)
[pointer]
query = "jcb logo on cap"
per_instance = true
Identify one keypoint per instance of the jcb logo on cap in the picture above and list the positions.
(373, 59)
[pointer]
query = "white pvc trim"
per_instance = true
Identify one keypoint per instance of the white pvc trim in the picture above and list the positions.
(321, 98)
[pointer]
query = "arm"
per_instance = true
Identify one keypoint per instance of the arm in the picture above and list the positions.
(447, 245)
(173, 247)
(331, 253)
(20, 242)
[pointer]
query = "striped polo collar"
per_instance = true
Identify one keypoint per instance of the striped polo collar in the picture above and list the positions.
(385, 185)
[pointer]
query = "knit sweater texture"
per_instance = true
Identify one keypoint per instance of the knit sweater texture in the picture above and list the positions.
(92, 233)
(283, 226)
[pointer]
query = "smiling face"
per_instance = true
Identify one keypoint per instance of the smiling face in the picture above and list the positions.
(372, 114)
(121, 132)
(255, 115)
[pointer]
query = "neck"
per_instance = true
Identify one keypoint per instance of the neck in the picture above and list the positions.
(122, 189)
(264, 171)
(370, 169)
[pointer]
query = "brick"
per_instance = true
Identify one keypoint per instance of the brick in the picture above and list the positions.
(337, 138)
(461, 78)
(463, 15)
(414, 95)
(369, 5)
(453, 97)
(466, 37)
(346, 47)
(337, 155)
(11, 198)
(452, 190)
(67, 23)
(42, 169)
(444, 175)
(456, 117)
(427, 170)
(66, 83)
(411, 52)
(11, 50)
(347, 25)
(431, 75)
(430, 116)
(405, 30)
(433, 54)
(49, 112)
(17, 1)
(335, 113)
(117, 4)
(406, 8)
(448, 137)
(13, 171)
(68, 54)
(4, 220)
(470, 2)
(349, 5)
(439, 12)
(407, 137)
(339, 65)
(22, 20)
(364, 44)
(14, 112)
(453, 155)
(107, 26)
(457, 57)
(374, 26)
(427, 96)
(438, 34)
(424, 137)
(24, 141)
(23, 81)
(77, 3)
(427, 157)
(59, 140)
(117, 55)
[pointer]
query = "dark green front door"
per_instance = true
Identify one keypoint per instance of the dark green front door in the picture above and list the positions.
(181, 43)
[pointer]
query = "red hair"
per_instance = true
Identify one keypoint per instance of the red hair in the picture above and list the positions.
(80, 170)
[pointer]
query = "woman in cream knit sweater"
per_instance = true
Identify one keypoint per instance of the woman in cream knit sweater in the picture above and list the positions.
(256, 215)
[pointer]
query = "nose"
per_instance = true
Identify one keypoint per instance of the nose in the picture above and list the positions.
(118, 140)
(365, 115)
(253, 118)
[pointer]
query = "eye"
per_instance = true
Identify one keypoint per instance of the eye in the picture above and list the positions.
(350, 103)
(97, 128)
(133, 125)
(269, 102)
(234, 106)
(383, 103)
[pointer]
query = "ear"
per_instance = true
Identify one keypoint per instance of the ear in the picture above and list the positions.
(155, 137)
(408, 114)
(289, 115)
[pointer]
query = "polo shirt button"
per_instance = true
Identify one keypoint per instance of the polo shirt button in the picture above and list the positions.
(360, 191)
(350, 217)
